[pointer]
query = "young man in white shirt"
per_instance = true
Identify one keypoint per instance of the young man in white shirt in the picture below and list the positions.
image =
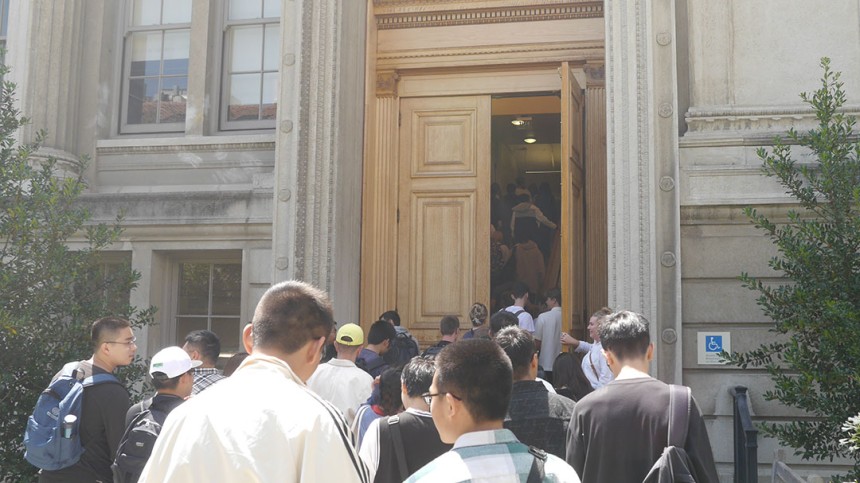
(548, 332)
(339, 381)
(520, 296)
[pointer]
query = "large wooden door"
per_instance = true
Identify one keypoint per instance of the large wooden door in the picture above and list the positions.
(572, 202)
(443, 209)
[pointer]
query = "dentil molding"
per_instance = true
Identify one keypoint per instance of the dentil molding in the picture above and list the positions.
(419, 16)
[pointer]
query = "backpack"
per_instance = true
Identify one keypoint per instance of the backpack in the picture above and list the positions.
(674, 465)
(45, 445)
(404, 348)
(137, 443)
(362, 364)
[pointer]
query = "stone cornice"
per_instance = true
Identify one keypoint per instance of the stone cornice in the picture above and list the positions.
(771, 119)
(491, 55)
(419, 16)
(186, 144)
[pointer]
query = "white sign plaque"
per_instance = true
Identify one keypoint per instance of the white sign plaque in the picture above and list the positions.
(710, 344)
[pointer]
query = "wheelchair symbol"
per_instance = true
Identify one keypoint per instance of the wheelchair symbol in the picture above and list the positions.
(715, 344)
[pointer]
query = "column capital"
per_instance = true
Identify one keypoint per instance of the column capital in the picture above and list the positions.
(386, 83)
(595, 74)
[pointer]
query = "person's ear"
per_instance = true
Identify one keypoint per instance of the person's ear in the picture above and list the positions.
(314, 349)
(534, 362)
(649, 355)
(248, 338)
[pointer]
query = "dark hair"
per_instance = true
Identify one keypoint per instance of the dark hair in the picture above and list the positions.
(567, 373)
(418, 375)
(290, 314)
(160, 381)
(555, 294)
(478, 372)
(206, 343)
(380, 331)
(449, 325)
(391, 316)
(519, 289)
(502, 319)
(524, 198)
(519, 345)
(625, 334)
(106, 325)
(389, 391)
(234, 362)
(511, 188)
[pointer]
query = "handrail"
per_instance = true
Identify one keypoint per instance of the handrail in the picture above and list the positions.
(745, 438)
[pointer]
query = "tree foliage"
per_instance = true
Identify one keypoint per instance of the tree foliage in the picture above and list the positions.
(814, 360)
(49, 293)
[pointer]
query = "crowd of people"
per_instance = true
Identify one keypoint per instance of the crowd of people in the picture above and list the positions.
(310, 401)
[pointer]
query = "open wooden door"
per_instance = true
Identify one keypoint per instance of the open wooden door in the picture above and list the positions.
(572, 203)
(443, 209)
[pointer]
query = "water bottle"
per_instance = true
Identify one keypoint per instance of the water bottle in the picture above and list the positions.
(69, 425)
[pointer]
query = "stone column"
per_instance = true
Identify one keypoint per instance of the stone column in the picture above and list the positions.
(317, 189)
(642, 169)
(48, 73)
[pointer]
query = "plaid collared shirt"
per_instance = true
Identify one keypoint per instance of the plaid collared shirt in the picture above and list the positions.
(491, 456)
(205, 377)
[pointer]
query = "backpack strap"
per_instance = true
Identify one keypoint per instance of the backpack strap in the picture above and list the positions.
(397, 437)
(679, 414)
(537, 472)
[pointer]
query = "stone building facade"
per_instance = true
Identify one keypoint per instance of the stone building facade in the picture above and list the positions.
(252, 141)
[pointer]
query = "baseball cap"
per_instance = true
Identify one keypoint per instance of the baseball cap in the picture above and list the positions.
(350, 334)
(172, 361)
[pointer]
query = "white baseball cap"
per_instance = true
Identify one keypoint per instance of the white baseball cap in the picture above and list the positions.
(172, 361)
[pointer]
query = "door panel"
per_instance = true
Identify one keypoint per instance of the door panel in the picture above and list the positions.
(572, 202)
(443, 206)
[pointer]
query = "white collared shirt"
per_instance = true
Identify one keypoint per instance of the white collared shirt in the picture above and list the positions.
(341, 383)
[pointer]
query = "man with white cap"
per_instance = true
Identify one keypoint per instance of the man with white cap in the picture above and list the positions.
(172, 372)
(173, 378)
(340, 381)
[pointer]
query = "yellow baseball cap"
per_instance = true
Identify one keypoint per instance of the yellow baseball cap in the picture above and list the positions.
(350, 334)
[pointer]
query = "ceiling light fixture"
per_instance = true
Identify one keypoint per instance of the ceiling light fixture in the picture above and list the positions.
(530, 139)
(521, 121)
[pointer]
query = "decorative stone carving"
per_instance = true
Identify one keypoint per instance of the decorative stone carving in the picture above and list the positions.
(664, 38)
(667, 183)
(421, 18)
(665, 110)
(668, 259)
(669, 336)
(754, 119)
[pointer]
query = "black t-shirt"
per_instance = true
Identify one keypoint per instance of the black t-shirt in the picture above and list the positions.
(538, 417)
(618, 431)
(103, 411)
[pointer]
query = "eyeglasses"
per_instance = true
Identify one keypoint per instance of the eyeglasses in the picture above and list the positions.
(128, 343)
(428, 397)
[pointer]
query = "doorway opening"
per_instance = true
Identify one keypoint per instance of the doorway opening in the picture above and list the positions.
(525, 196)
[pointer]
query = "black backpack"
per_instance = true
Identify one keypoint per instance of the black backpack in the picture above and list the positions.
(137, 443)
(675, 464)
(403, 349)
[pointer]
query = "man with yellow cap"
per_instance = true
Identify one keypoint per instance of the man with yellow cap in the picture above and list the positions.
(339, 381)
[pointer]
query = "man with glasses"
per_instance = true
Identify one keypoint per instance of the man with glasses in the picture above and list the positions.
(104, 406)
(469, 400)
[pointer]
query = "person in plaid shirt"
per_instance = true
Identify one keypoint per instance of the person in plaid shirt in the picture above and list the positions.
(468, 400)
(204, 345)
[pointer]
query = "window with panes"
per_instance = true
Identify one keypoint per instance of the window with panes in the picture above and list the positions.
(250, 64)
(158, 47)
(209, 297)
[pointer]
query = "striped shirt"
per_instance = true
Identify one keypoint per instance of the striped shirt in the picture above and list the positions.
(491, 456)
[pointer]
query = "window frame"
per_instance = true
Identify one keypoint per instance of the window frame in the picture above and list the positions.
(125, 79)
(173, 337)
(223, 64)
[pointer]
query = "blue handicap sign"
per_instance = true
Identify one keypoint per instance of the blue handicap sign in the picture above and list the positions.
(714, 343)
